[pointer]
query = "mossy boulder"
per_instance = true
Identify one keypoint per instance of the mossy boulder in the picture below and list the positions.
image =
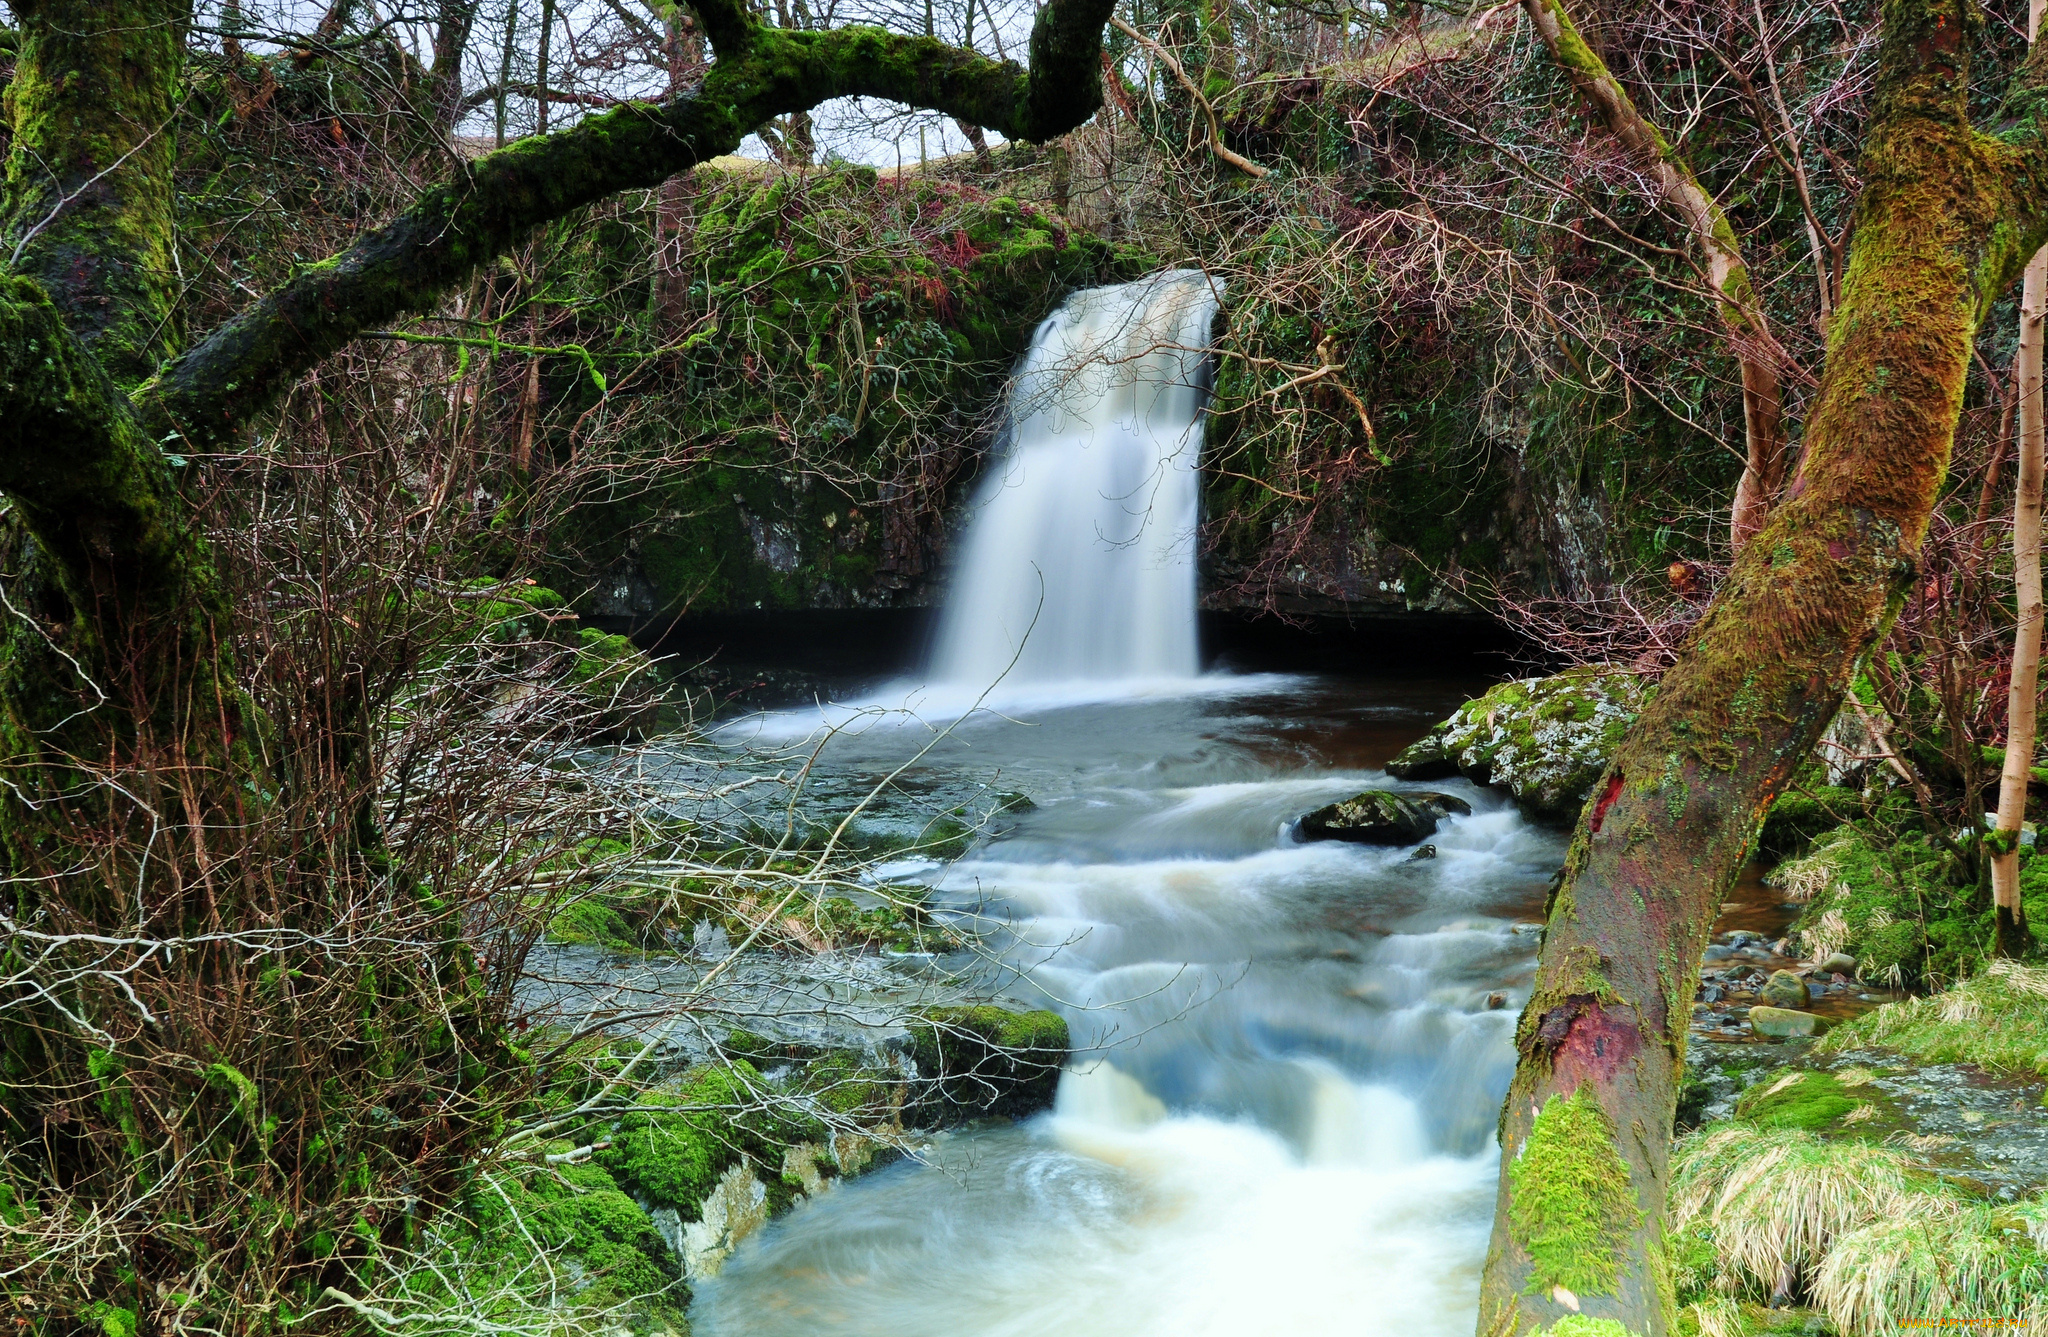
(1545, 740)
(982, 1060)
(1784, 990)
(1382, 817)
(576, 1213)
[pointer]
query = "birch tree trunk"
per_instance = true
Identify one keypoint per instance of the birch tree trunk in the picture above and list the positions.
(2024, 690)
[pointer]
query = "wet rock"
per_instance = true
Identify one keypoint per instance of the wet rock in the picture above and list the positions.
(1424, 760)
(1783, 1023)
(1839, 963)
(1382, 817)
(1783, 989)
(1425, 852)
(1496, 1000)
(1546, 740)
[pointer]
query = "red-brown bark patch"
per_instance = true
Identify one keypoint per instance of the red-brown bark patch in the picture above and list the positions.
(1583, 1036)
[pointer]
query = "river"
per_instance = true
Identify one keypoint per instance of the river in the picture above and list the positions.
(1289, 1056)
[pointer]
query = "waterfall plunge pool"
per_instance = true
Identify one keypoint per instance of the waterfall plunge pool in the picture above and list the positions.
(1287, 1058)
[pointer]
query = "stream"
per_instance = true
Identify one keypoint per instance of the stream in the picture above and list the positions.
(1288, 1056)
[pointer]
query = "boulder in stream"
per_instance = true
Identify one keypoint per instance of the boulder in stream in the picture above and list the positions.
(982, 1059)
(1382, 817)
(1545, 740)
(1783, 990)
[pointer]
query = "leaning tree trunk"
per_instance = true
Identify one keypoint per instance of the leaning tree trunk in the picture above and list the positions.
(1946, 220)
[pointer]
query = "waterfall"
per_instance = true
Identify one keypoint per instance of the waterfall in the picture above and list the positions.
(1081, 548)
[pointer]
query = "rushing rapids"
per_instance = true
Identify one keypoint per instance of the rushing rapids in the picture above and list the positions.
(1279, 1118)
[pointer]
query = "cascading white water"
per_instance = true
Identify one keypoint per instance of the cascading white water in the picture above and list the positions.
(1081, 547)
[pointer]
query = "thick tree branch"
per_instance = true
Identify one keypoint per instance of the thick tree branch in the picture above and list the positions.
(205, 396)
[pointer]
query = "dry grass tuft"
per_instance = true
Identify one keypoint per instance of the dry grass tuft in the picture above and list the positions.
(1817, 871)
(1939, 1260)
(1776, 1200)
(1950, 1027)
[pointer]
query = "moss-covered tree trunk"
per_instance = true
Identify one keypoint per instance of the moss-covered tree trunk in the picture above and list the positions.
(1946, 221)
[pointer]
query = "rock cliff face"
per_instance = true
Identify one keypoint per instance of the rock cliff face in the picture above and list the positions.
(841, 342)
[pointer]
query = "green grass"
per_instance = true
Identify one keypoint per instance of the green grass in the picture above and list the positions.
(1997, 1020)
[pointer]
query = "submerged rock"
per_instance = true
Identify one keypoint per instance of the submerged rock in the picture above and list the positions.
(1545, 740)
(1382, 817)
(1783, 1022)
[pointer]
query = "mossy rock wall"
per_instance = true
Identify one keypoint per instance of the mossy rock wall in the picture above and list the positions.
(837, 346)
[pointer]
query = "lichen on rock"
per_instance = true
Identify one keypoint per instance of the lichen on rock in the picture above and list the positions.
(1545, 740)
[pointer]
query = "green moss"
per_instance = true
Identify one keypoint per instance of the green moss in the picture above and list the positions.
(686, 1134)
(1795, 1099)
(1578, 1325)
(1884, 891)
(1803, 814)
(575, 1210)
(1571, 1204)
(591, 922)
(986, 1059)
